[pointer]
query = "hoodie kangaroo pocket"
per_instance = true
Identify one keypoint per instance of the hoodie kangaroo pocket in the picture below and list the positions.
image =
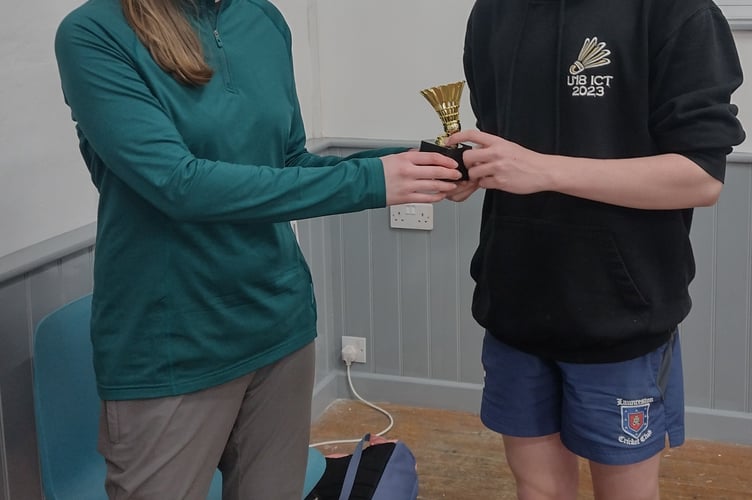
(546, 278)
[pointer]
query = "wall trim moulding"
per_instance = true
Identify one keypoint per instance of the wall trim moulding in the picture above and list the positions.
(738, 13)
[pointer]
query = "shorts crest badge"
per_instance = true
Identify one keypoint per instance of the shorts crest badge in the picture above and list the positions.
(634, 420)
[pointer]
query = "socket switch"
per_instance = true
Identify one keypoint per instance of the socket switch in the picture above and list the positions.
(411, 216)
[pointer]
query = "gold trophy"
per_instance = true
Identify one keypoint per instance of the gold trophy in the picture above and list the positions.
(445, 100)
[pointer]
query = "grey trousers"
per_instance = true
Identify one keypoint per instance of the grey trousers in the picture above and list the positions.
(256, 429)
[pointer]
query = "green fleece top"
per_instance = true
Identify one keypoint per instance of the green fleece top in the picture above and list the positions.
(198, 278)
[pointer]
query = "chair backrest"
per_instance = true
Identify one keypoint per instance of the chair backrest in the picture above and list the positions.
(66, 405)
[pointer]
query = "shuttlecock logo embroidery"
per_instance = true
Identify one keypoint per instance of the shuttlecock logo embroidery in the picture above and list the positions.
(582, 82)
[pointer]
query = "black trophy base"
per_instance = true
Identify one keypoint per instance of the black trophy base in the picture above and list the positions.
(454, 153)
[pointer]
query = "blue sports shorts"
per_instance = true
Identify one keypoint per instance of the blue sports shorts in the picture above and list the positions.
(610, 413)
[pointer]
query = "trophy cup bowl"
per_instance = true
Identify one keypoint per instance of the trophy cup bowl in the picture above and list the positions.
(445, 100)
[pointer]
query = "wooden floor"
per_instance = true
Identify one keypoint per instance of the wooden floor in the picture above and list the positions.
(459, 459)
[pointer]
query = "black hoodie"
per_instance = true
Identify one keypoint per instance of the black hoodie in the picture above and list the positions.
(568, 278)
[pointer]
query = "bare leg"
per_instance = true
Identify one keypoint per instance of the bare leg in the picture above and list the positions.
(543, 468)
(634, 482)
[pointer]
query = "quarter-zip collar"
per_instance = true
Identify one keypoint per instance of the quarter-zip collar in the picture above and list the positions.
(211, 14)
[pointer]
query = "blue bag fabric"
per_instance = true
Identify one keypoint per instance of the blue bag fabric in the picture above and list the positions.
(378, 469)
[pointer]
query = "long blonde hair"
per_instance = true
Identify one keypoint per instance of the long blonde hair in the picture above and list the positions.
(162, 26)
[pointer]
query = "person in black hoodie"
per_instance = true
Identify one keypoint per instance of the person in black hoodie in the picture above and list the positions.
(601, 125)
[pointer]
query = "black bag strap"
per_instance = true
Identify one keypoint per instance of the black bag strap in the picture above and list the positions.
(352, 469)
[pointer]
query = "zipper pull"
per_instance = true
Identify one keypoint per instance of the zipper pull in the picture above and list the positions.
(217, 39)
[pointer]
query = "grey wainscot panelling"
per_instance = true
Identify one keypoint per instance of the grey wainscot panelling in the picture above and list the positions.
(408, 293)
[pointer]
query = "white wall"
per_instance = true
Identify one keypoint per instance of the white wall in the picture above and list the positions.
(301, 16)
(743, 96)
(44, 188)
(374, 65)
(359, 65)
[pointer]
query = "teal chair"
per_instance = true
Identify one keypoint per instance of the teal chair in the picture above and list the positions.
(66, 407)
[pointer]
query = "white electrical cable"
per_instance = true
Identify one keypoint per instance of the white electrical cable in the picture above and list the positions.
(388, 428)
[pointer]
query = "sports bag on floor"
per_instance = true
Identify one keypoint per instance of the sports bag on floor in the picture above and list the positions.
(378, 469)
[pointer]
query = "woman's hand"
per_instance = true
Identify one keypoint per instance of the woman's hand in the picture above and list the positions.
(415, 177)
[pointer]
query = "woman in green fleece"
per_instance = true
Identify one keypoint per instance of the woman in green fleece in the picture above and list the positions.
(203, 315)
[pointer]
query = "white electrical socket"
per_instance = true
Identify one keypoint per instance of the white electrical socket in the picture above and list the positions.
(359, 345)
(411, 216)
